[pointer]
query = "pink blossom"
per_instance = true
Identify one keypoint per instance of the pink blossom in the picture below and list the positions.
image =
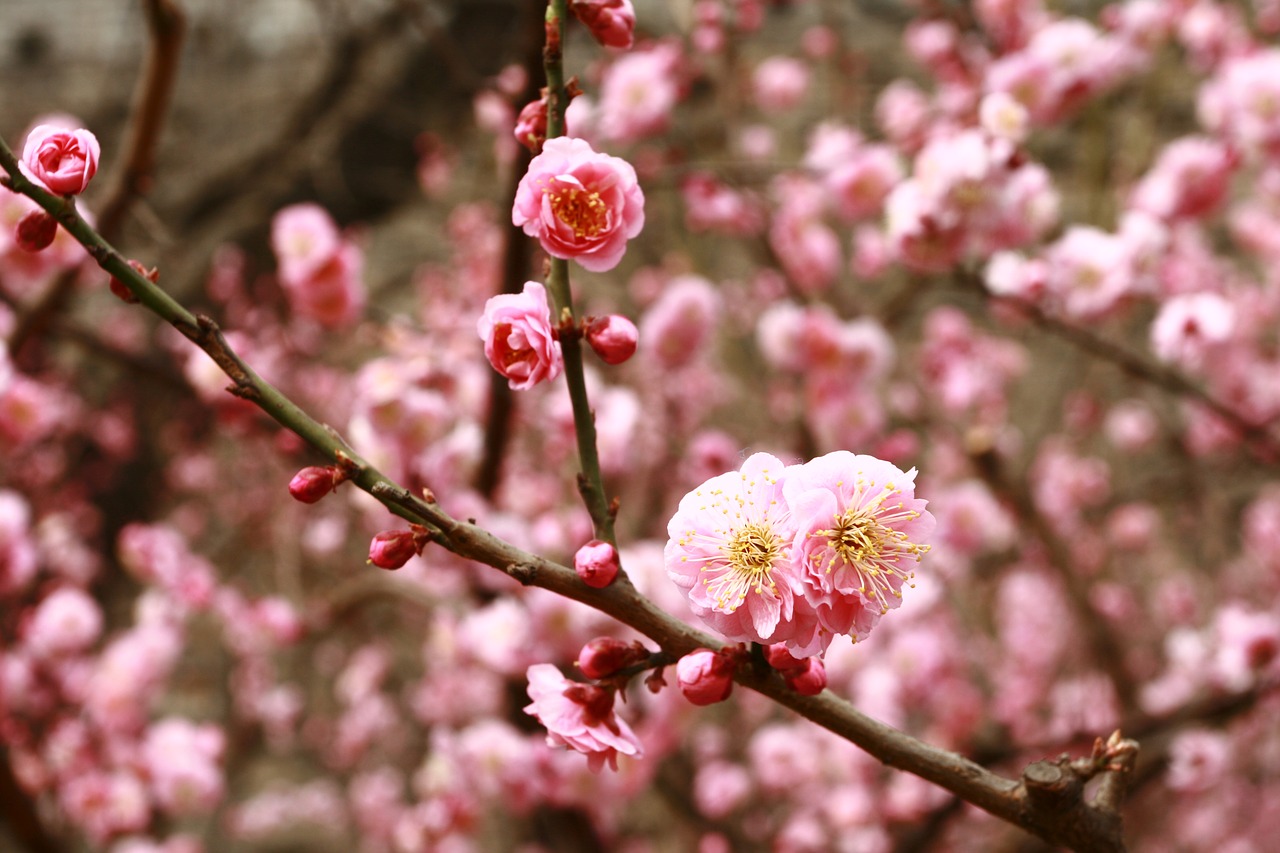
(720, 787)
(860, 530)
(705, 676)
(1189, 180)
(729, 549)
(612, 22)
(1190, 325)
(182, 760)
(580, 717)
(518, 337)
(64, 161)
(1199, 760)
(580, 204)
(67, 621)
(303, 237)
(861, 184)
(531, 125)
(596, 563)
(638, 93)
(320, 271)
(780, 83)
(313, 482)
(680, 324)
(391, 549)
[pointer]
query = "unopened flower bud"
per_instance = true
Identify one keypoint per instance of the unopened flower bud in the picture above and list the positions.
(531, 125)
(612, 22)
(705, 677)
(313, 483)
(596, 563)
(781, 659)
(391, 549)
(812, 681)
(605, 656)
(35, 231)
(119, 289)
(613, 338)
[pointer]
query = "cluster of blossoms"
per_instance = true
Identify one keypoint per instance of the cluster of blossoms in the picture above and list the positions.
(798, 554)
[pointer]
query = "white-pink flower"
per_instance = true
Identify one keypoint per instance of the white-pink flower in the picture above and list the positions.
(730, 550)
(518, 340)
(860, 531)
(580, 717)
(580, 204)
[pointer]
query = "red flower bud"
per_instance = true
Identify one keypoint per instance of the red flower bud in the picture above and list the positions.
(705, 677)
(613, 338)
(604, 656)
(531, 125)
(781, 659)
(312, 483)
(810, 682)
(391, 549)
(121, 290)
(596, 563)
(36, 231)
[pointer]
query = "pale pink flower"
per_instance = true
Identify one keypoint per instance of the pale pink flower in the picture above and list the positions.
(333, 295)
(1190, 325)
(780, 83)
(580, 204)
(580, 717)
(303, 237)
(1199, 760)
(860, 531)
(182, 761)
(729, 548)
(518, 337)
(860, 185)
(720, 787)
(677, 327)
(67, 621)
(1189, 180)
(903, 113)
(1002, 116)
(638, 93)
(64, 161)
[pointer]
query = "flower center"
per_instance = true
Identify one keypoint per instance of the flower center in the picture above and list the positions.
(583, 211)
(750, 554)
(862, 540)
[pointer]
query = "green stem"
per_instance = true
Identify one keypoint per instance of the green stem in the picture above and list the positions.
(590, 482)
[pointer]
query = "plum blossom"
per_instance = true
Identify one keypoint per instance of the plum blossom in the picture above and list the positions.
(62, 160)
(1190, 325)
(860, 530)
(706, 676)
(580, 717)
(611, 22)
(518, 337)
(580, 204)
(67, 621)
(320, 270)
(730, 550)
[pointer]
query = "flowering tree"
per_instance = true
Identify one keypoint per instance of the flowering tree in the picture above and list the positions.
(933, 407)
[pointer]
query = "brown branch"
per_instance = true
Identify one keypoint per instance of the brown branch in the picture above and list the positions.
(166, 25)
(1085, 828)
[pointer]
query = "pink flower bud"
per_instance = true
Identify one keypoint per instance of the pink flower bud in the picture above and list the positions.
(612, 22)
(119, 288)
(604, 656)
(62, 160)
(810, 682)
(391, 549)
(313, 482)
(613, 338)
(705, 677)
(36, 231)
(531, 125)
(783, 661)
(596, 563)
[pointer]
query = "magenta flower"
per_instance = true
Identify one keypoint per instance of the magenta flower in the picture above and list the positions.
(596, 563)
(518, 339)
(580, 717)
(860, 530)
(730, 550)
(706, 676)
(62, 160)
(581, 205)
